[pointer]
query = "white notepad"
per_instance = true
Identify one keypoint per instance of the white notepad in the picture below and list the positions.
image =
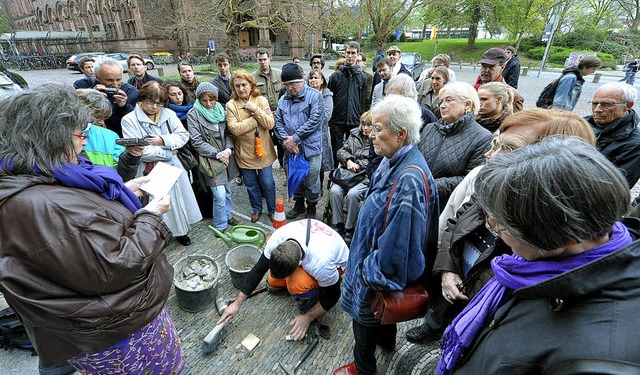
(161, 179)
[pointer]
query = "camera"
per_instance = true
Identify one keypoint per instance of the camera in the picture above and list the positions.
(110, 91)
(132, 142)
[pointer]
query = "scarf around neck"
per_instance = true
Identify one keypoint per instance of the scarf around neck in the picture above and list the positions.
(102, 180)
(513, 272)
(214, 115)
(181, 110)
(492, 123)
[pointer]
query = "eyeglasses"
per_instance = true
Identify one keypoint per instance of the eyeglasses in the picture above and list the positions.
(498, 146)
(82, 136)
(153, 102)
(605, 104)
(495, 231)
(449, 100)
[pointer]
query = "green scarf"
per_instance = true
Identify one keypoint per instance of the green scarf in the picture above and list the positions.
(213, 115)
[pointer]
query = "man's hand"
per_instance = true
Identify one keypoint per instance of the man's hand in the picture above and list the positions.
(135, 150)
(291, 145)
(120, 98)
(230, 312)
(134, 185)
(452, 288)
(300, 325)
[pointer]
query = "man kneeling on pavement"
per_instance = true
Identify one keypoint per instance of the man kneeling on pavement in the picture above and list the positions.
(307, 257)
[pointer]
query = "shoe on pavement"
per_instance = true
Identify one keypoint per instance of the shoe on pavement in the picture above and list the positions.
(184, 240)
(349, 369)
(233, 221)
(423, 334)
(348, 236)
(297, 210)
(255, 216)
(311, 211)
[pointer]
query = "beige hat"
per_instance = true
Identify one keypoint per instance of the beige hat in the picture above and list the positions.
(393, 48)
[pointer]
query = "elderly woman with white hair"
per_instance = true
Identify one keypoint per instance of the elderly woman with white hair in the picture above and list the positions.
(404, 85)
(570, 289)
(396, 225)
(456, 143)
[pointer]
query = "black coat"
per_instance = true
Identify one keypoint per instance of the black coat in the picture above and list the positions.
(619, 141)
(133, 81)
(224, 94)
(453, 150)
(511, 72)
(589, 312)
(349, 87)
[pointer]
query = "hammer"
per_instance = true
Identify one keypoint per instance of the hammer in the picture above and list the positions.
(313, 333)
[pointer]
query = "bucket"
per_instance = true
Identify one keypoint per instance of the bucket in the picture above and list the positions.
(240, 260)
(200, 297)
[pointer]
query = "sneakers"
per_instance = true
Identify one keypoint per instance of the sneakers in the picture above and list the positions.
(311, 211)
(339, 228)
(423, 334)
(297, 210)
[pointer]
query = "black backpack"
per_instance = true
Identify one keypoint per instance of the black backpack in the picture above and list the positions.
(12, 332)
(545, 100)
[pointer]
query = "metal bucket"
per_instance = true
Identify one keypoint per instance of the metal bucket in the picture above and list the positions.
(240, 260)
(195, 300)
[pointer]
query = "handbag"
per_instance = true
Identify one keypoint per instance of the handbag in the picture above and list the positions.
(208, 166)
(185, 156)
(401, 305)
(346, 178)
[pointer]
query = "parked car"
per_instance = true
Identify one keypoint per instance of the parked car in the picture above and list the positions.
(72, 62)
(413, 62)
(122, 58)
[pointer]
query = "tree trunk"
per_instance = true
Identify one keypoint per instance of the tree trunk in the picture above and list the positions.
(381, 40)
(473, 28)
(636, 21)
(232, 45)
(424, 31)
(520, 35)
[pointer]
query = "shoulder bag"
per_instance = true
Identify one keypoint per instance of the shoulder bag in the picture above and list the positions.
(208, 166)
(346, 178)
(411, 302)
(185, 156)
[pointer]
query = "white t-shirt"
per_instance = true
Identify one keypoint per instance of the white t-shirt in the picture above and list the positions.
(326, 252)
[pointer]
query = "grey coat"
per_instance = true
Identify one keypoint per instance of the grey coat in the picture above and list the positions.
(199, 129)
(327, 151)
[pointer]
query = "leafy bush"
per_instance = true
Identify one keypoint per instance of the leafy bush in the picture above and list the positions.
(526, 44)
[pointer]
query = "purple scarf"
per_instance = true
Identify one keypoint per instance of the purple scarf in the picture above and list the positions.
(97, 178)
(513, 272)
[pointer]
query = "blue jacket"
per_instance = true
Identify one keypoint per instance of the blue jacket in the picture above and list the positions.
(397, 256)
(569, 89)
(302, 117)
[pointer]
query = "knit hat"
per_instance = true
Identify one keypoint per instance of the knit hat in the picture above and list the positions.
(494, 56)
(206, 87)
(290, 72)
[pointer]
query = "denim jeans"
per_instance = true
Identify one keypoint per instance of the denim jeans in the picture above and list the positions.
(264, 177)
(221, 205)
(61, 369)
(629, 77)
(364, 351)
(310, 188)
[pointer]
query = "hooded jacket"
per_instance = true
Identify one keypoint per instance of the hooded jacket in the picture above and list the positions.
(511, 71)
(81, 271)
(619, 141)
(569, 89)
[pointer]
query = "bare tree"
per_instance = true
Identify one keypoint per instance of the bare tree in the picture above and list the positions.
(386, 15)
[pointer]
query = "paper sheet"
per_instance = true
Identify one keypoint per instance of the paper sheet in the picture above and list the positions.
(162, 178)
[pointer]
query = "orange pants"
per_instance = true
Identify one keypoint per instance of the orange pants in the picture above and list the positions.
(300, 282)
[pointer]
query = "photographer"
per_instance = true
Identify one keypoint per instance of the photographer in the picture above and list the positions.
(122, 95)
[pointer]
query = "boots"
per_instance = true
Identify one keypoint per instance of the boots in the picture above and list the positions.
(297, 210)
(311, 210)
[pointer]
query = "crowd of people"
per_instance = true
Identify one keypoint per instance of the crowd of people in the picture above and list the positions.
(517, 221)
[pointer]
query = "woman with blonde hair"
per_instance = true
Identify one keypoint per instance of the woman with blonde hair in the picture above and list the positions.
(496, 103)
(249, 119)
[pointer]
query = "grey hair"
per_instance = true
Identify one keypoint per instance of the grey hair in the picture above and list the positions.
(629, 93)
(108, 61)
(405, 84)
(500, 89)
(404, 113)
(554, 192)
(36, 127)
(463, 90)
(97, 103)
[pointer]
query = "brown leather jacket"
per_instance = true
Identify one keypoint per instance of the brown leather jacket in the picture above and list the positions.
(82, 272)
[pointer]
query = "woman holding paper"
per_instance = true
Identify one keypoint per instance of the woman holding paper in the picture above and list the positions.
(81, 260)
(165, 135)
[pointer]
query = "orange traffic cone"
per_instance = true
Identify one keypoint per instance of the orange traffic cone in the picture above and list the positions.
(279, 219)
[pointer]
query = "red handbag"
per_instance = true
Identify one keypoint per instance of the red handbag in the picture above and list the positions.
(401, 305)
